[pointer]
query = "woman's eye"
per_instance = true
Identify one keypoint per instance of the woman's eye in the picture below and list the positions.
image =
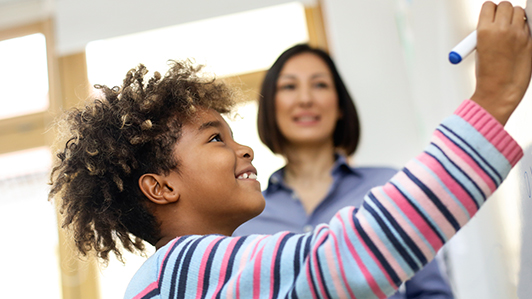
(216, 138)
(287, 87)
(321, 85)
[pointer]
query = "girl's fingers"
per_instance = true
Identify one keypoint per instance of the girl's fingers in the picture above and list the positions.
(504, 13)
(519, 17)
(487, 13)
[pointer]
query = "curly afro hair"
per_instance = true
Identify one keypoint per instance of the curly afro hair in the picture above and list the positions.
(124, 133)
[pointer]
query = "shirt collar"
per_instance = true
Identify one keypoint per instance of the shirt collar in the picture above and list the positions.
(341, 166)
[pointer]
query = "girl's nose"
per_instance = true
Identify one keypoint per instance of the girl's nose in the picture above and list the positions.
(245, 152)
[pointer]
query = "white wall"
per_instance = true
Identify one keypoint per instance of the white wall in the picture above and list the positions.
(393, 56)
(80, 21)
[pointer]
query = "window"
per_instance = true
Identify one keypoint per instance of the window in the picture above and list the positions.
(24, 75)
(29, 229)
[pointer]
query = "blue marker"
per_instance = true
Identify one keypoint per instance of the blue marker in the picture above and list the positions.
(464, 48)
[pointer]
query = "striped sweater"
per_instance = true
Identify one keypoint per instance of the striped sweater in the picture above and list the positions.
(363, 253)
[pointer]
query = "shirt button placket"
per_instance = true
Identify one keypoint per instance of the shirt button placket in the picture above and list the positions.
(308, 228)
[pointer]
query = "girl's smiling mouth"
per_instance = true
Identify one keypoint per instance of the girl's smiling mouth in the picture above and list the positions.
(247, 175)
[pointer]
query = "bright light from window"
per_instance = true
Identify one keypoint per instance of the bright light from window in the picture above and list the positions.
(29, 229)
(228, 45)
(24, 75)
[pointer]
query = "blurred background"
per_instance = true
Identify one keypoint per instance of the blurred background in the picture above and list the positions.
(392, 54)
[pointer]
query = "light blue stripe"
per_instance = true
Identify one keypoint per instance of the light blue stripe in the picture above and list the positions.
(410, 223)
(459, 176)
(444, 187)
(384, 239)
(419, 207)
(487, 150)
(395, 233)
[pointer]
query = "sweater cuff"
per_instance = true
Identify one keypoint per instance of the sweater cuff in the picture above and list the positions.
(491, 129)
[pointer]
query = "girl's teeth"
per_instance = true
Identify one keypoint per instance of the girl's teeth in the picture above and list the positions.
(248, 176)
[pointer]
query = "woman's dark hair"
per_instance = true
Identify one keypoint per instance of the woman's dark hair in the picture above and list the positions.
(347, 132)
(126, 132)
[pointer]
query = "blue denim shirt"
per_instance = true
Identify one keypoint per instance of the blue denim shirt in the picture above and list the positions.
(284, 212)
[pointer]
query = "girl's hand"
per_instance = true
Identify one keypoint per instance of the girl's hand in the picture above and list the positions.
(504, 59)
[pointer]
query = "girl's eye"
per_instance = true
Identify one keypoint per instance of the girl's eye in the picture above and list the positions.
(216, 138)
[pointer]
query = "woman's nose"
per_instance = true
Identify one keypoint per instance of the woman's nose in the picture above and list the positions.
(305, 96)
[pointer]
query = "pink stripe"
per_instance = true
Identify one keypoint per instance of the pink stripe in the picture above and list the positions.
(148, 289)
(492, 130)
(465, 162)
(369, 277)
(165, 257)
(405, 225)
(390, 258)
(256, 273)
(225, 261)
(204, 260)
(413, 215)
(426, 204)
(341, 263)
(309, 279)
(316, 266)
(451, 184)
(244, 260)
(274, 258)
(454, 206)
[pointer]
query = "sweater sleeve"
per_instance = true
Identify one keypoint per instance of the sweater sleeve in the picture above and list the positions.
(364, 253)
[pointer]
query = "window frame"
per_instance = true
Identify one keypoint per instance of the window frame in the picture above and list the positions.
(30, 130)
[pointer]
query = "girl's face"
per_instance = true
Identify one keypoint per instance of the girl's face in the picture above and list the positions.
(217, 180)
(306, 102)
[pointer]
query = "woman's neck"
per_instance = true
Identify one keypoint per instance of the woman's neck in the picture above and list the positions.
(309, 164)
(308, 173)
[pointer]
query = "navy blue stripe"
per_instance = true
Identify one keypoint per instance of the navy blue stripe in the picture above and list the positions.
(306, 251)
(165, 262)
(320, 271)
(151, 294)
(421, 214)
(384, 262)
(437, 202)
(293, 293)
(312, 274)
(375, 250)
(277, 266)
(208, 268)
(402, 251)
(484, 197)
(182, 287)
(478, 155)
(231, 261)
(406, 238)
(457, 181)
(297, 258)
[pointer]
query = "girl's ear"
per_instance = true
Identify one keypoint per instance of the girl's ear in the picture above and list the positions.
(158, 189)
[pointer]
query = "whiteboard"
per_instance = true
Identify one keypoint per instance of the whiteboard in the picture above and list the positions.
(517, 191)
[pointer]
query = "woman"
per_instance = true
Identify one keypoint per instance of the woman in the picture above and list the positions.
(307, 115)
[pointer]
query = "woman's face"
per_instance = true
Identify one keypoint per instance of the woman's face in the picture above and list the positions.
(306, 102)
